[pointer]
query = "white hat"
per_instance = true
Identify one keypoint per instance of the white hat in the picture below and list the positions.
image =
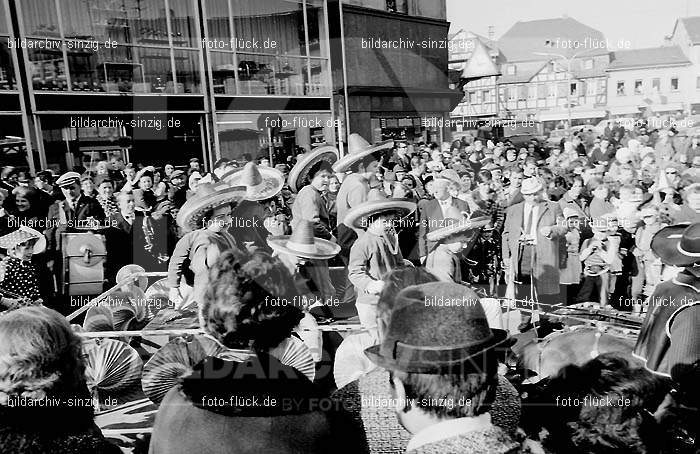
(531, 185)
(623, 155)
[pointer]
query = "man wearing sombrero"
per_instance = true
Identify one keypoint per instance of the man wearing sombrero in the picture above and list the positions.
(376, 252)
(362, 160)
(458, 232)
(261, 184)
(669, 339)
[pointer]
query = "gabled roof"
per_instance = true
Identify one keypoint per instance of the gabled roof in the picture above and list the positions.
(524, 39)
(647, 58)
(692, 27)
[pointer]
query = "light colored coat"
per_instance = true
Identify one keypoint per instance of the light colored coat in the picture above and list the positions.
(546, 265)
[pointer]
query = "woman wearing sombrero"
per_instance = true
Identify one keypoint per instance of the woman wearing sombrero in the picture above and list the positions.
(206, 216)
(261, 185)
(19, 279)
(377, 251)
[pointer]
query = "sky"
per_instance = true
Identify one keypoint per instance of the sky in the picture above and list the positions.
(629, 23)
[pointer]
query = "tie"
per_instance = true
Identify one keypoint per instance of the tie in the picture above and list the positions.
(528, 224)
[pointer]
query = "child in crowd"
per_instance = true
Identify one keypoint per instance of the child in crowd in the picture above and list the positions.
(648, 263)
(444, 260)
(570, 262)
(376, 252)
(597, 254)
(19, 279)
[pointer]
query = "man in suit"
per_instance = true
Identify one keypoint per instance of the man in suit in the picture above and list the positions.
(431, 214)
(401, 157)
(530, 245)
(64, 216)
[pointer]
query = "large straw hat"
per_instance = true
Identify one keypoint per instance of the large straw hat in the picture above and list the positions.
(301, 169)
(302, 243)
(457, 224)
(357, 216)
(209, 196)
(260, 182)
(22, 235)
(358, 148)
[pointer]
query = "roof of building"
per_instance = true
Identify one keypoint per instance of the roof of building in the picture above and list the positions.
(524, 72)
(647, 58)
(564, 35)
(464, 52)
(692, 26)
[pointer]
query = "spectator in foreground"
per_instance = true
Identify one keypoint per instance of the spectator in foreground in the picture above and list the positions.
(41, 364)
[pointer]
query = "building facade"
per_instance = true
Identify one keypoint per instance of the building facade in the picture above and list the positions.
(686, 35)
(395, 69)
(649, 81)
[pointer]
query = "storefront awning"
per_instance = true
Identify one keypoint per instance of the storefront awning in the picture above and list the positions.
(670, 107)
(575, 114)
(624, 110)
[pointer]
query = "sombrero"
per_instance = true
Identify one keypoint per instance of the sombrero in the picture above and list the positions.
(302, 243)
(666, 245)
(260, 182)
(358, 148)
(456, 224)
(127, 270)
(208, 197)
(301, 169)
(357, 216)
(21, 235)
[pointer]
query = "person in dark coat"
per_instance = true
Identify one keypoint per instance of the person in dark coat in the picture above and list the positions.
(41, 368)
(255, 404)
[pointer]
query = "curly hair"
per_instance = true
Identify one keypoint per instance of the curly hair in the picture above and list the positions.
(605, 406)
(252, 301)
(39, 354)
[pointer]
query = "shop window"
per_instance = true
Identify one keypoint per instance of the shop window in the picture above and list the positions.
(7, 73)
(46, 67)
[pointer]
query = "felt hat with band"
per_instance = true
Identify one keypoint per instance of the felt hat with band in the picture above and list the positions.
(531, 185)
(302, 243)
(689, 245)
(439, 328)
(300, 171)
(260, 182)
(358, 148)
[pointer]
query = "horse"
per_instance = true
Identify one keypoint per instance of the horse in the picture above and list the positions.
(545, 357)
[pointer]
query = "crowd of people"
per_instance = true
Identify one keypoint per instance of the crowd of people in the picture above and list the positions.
(415, 240)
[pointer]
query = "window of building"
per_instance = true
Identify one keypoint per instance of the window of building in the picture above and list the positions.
(510, 70)
(471, 97)
(550, 67)
(588, 63)
(573, 89)
(552, 90)
(541, 91)
(157, 45)
(656, 84)
(512, 93)
(532, 91)
(293, 63)
(590, 87)
(674, 83)
(697, 83)
(638, 87)
(620, 88)
(486, 96)
(7, 72)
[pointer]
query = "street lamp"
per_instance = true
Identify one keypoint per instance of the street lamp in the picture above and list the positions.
(568, 80)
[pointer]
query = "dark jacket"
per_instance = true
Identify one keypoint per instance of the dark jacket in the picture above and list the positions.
(86, 207)
(51, 429)
(430, 218)
(258, 406)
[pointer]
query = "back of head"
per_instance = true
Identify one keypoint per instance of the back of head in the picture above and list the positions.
(251, 301)
(39, 354)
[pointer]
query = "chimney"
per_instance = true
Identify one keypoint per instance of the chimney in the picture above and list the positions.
(492, 32)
